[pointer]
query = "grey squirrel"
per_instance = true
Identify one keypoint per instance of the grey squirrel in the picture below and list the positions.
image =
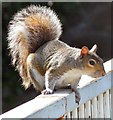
(41, 58)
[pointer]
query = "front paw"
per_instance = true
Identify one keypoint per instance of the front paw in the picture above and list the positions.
(77, 96)
(47, 91)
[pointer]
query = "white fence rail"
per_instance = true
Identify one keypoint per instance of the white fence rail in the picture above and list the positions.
(95, 101)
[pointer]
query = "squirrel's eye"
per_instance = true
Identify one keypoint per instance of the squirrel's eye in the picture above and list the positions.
(92, 62)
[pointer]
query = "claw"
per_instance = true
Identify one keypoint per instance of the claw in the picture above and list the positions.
(47, 91)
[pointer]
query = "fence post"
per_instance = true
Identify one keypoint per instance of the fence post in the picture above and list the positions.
(112, 103)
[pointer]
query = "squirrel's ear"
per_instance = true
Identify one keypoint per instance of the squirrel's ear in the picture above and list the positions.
(94, 49)
(84, 51)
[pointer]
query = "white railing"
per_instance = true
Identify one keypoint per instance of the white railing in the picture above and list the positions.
(95, 101)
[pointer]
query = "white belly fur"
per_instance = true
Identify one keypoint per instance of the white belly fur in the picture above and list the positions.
(69, 77)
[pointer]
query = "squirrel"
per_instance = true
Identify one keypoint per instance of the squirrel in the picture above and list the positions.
(41, 58)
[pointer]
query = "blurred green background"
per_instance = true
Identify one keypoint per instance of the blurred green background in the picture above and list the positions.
(83, 24)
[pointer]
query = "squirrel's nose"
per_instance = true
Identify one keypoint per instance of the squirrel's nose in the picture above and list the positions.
(100, 73)
(103, 73)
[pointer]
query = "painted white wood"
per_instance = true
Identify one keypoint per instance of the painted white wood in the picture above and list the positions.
(68, 115)
(111, 101)
(74, 113)
(94, 108)
(88, 109)
(108, 65)
(100, 106)
(81, 111)
(44, 106)
(107, 104)
(63, 101)
(95, 88)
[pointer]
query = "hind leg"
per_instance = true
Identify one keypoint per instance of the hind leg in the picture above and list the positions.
(33, 72)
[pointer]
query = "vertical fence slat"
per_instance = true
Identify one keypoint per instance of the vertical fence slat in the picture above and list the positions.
(106, 105)
(100, 106)
(111, 102)
(94, 107)
(81, 111)
(88, 110)
(68, 115)
(74, 113)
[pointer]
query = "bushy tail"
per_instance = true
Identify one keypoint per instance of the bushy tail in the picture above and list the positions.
(28, 30)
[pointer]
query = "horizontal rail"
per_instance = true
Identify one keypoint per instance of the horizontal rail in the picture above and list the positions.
(62, 101)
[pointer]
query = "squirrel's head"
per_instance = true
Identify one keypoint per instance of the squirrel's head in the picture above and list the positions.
(91, 62)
